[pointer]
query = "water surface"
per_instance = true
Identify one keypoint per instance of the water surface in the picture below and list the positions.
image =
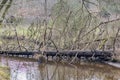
(29, 69)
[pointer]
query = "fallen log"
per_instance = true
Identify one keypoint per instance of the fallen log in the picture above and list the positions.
(98, 55)
(17, 53)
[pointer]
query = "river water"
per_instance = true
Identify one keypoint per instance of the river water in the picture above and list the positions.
(30, 69)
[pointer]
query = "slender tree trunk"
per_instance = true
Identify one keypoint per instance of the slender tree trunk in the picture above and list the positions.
(2, 4)
(45, 22)
(6, 9)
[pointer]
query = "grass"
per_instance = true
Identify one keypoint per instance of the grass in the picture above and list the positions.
(10, 30)
(4, 73)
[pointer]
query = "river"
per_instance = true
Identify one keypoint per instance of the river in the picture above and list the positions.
(30, 69)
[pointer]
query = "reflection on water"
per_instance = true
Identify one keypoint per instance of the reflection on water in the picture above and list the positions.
(28, 69)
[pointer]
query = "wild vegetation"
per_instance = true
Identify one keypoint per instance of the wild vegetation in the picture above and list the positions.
(67, 25)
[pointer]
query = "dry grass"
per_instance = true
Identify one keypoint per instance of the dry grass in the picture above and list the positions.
(4, 73)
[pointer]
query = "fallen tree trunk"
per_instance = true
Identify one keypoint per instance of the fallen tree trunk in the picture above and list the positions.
(102, 55)
(17, 53)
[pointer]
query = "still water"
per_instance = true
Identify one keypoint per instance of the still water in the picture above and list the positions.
(29, 69)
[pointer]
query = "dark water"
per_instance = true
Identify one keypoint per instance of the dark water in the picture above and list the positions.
(29, 69)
